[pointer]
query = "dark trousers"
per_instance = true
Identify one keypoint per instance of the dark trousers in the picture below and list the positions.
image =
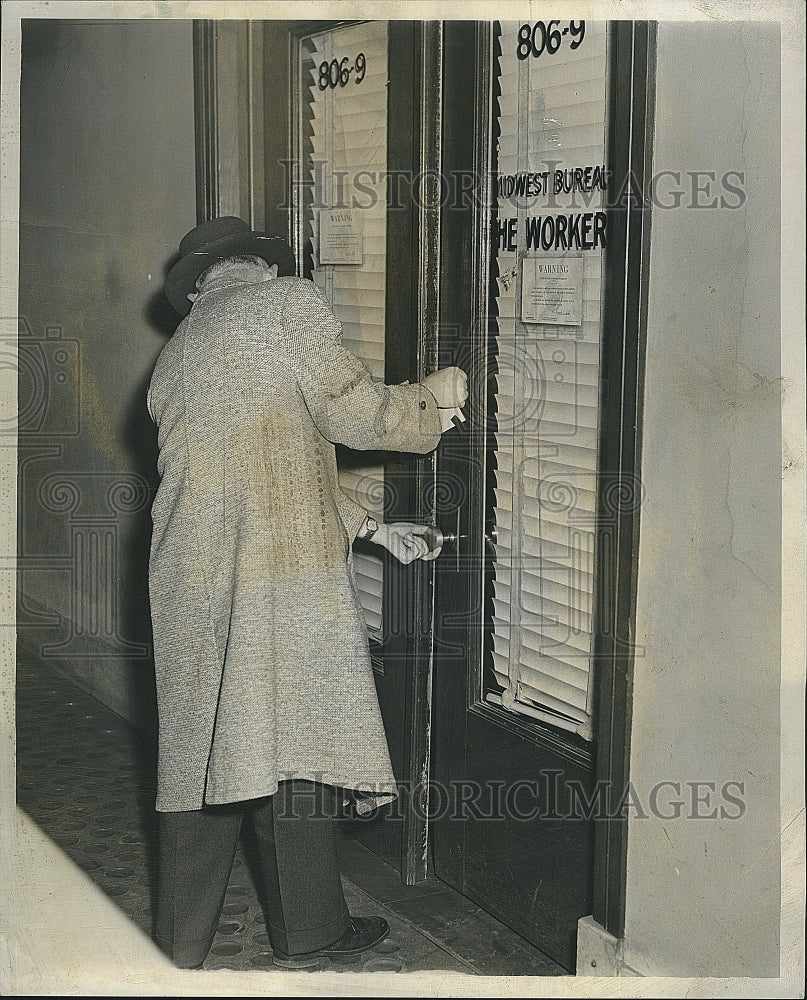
(295, 836)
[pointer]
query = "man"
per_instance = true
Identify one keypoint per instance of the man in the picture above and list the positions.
(265, 689)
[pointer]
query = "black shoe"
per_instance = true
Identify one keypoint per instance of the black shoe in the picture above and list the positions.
(363, 934)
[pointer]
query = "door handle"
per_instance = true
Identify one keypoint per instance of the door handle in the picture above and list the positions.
(437, 538)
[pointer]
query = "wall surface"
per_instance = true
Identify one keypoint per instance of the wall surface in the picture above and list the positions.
(703, 893)
(107, 189)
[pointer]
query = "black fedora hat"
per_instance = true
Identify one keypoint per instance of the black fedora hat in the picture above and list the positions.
(213, 240)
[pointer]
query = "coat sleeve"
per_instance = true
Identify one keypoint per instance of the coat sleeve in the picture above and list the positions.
(351, 513)
(346, 405)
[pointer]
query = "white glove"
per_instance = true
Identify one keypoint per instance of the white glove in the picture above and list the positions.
(406, 541)
(449, 386)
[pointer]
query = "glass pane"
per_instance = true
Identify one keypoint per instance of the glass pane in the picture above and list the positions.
(343, 158)
(549, 229)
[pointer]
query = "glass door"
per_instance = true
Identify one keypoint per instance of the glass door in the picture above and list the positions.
(342, 230)
(514, 679)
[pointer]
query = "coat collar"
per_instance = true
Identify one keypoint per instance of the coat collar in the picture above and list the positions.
(232, 273)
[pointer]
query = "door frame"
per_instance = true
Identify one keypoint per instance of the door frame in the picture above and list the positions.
(631, 126)
(629, 150)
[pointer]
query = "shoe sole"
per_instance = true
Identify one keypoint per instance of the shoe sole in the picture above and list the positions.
(296, 963)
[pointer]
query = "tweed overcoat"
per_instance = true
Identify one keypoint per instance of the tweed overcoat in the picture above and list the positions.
(260, 647)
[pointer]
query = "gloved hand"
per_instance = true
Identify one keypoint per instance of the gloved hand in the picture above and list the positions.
(407, 541)
(449, 386)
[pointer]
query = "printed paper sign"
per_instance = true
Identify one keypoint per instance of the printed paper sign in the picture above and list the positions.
(552, 289)
(340, 241)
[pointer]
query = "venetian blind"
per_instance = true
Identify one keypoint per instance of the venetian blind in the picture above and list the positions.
(345, 81)
(550, 115)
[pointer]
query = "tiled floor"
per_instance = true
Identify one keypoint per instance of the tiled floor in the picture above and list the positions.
(84, 776)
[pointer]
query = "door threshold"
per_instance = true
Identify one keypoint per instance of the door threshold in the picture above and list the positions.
(431, 914)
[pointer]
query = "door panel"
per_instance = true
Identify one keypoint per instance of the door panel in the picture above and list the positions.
(513, 757)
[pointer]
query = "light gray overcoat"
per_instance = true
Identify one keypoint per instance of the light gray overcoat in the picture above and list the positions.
(260, 647)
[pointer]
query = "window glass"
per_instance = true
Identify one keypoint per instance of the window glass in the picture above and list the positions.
(549, 231)
(343, 134)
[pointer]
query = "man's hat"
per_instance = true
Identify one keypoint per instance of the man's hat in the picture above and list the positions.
(213, 240)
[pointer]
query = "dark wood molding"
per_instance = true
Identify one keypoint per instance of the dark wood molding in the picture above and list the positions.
(206, 119)
(420, 343)
(254, 167)
(631, 103)
(279, 117)
(229, 118)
